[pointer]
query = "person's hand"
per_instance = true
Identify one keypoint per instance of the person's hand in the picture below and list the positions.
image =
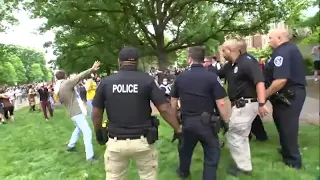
(225, 126)
(263, 110)
(96, 66)
(100, 138)
(176, 135)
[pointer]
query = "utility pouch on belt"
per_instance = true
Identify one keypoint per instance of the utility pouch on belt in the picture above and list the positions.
(153, 134)
(205, 118)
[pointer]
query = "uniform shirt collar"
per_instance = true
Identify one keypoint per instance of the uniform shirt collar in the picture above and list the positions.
(128, 68)
(282, 45)
(197, 66)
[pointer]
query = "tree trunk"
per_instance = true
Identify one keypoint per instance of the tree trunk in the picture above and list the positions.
(162, 55)
(162, 59)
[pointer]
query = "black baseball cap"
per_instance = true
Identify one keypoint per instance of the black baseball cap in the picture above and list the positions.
(129, 54)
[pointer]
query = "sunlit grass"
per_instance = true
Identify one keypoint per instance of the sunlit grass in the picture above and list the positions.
(32, 149)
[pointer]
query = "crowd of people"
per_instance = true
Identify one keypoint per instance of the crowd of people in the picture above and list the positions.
(39, 96)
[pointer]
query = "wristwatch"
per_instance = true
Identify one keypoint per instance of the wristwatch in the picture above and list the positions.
(261, 104)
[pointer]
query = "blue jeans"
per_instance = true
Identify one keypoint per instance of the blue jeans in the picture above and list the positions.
(82, 125)
(89, 102)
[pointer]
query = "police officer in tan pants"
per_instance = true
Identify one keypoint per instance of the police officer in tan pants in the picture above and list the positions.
(132, 131)
(246, 91)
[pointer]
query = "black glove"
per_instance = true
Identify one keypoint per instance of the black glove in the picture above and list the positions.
(176, 136)
(100, 138)
(225, 126)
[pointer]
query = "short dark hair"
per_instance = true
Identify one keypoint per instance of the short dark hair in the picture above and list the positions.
(208, 57)
(61, 74)
(197, 53)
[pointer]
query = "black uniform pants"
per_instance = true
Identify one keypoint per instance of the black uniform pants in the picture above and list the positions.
(195, 131)
(286, 119)
(257, 129)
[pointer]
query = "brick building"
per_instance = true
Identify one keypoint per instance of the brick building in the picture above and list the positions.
(257, 41)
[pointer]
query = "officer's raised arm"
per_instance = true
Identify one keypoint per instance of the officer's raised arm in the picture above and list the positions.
(281, 61)
(220, 94)
(159, 99)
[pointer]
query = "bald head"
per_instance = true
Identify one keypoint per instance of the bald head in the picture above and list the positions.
(278, 36)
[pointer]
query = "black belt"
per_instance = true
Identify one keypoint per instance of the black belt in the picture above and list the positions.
(126, 137)
(246, 100)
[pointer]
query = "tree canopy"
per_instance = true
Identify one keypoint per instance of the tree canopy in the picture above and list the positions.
(6, 14)
(20, 65)
(90, 30)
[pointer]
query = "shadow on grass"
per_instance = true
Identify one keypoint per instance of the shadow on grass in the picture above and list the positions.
(32, 149)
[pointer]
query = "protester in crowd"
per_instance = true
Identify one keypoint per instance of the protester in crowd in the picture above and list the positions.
(8, 107)
(31, 98)
(44, 101)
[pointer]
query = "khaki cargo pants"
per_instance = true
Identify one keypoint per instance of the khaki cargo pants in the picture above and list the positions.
(237, 137)
(119, 153)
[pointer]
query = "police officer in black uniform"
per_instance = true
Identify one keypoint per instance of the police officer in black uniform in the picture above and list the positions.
(257, 128)
(199, 90)
(286, 74)
(246, 91)
(131, 133)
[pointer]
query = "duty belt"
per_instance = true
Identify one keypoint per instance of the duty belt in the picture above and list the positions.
(246, 100)
(126, 137)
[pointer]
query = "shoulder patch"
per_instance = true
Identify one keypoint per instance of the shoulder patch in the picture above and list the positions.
(278, 61)
(219, 81)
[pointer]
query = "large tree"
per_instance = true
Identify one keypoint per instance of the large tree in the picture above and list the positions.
(89, 30)
(17, 63)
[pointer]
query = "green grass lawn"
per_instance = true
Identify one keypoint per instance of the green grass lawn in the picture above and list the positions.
(32, 149)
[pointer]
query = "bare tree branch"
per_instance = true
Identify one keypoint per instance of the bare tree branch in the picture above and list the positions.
(96, 10)
(140, 23)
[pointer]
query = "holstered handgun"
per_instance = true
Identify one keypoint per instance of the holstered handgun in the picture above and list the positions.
(212, 121)
(280, 98)
(152, 132)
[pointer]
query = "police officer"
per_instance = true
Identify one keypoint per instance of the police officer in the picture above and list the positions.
(199, 90)
(133, 132)
(257, 128)
(246, 91)
(285, 72)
